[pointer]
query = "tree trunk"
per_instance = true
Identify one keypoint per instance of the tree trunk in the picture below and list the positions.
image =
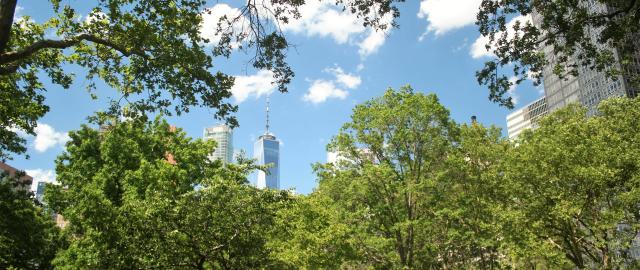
(7, 11)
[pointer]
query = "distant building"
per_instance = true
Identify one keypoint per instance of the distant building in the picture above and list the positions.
(526, 117)
(25, 179)
(363, 153)
(266, 150)
(223, 136)
(40, 191)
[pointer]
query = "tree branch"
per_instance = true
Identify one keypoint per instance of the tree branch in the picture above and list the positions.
(26, 52)
(7, 11)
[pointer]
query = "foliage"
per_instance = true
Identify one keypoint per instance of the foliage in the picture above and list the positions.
(575, 180)
(29, 238)
(414, 190)
(151, 52)
(130, 206)
(579, 35)
(394, 148)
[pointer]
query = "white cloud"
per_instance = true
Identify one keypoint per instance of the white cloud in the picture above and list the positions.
(40, 175)
(446, 15)
(18, 11)
(373, 42)
(95, 16)
(322, 90)
(254, 85)
(360, 67)
(47, 137)
(211, 18)
(478, 48)
(512, 90)
(348, 80)
(375, 39)
(324, 18)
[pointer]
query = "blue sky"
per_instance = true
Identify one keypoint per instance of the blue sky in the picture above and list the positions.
(338, 64)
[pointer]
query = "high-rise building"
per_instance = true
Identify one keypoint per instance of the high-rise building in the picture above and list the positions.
(526, 117)
(40, 191)
(223, 135)
(266, 151)
(589, 87)
(24, 180)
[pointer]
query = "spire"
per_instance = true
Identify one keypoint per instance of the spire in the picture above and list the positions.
(267, 110)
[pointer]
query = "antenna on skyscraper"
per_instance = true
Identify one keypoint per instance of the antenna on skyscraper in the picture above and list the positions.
(267, 110)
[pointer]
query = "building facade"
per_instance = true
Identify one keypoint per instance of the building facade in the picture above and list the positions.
(223, 136)
(25, 179)
(40, 191)
(527, 117)
(267, 152)
(590, 86)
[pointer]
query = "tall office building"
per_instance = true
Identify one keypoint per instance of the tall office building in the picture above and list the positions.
(589, 87)
(40, 191)
(526, 117)
(266, 151)
(223, 135)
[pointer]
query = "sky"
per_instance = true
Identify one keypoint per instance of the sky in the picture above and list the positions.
(338, 64)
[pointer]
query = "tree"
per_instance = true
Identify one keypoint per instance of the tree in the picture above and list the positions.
(314, 236)
(581, 34)
(29, 238)
(575, 182)
(394, 148)
(129, 206)
(151, 52)
(470, 200)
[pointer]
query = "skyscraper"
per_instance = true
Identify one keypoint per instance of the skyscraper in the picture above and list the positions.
(40, 191)
(526, 117)
(223, 135)
(266, 150)
(590, 86)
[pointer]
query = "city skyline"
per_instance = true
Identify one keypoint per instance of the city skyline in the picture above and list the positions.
(335, 70)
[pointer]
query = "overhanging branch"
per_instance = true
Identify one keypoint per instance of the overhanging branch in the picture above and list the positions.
(26, 52)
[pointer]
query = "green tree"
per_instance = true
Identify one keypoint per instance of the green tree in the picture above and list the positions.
(394, 148)
(582, 34)
(139, 195)
(470, 198)
(150, 52)
(29, 238)
(575, 183)
(314, 236)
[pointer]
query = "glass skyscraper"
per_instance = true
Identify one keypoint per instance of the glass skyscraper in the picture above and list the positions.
(223, 135)
(40, 191)
(267, 152)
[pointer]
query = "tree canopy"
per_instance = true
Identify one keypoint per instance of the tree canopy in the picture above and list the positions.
(151, 52)
(130, 206)
(583, 34)
(29, 238)
(412, 189)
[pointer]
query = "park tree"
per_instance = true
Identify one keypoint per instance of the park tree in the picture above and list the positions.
(392, 152)
(575, 184)
(151, 52)
(140, 194)
(580, 35)
(29, 238)
(314, 236)
(471, 197)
